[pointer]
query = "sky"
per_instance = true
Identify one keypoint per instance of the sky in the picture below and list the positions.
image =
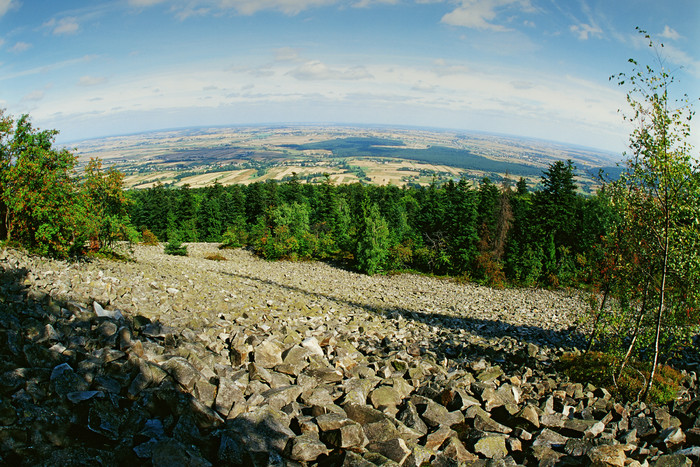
(534, 68)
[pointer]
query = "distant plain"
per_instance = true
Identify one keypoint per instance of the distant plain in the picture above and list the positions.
(344, 154)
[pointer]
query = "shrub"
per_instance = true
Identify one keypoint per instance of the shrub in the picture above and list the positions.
(175, 246)
(234, 237)
(215, 257)
(148, 238)
(599, 369)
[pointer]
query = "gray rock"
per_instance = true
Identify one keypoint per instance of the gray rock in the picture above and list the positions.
(550, 439)
(268, 354)
(491, 446)
(182, 371)
(394, 449)
(347, 436)
(607, 455)
(385, 398)
(409, 416)
(305, 448)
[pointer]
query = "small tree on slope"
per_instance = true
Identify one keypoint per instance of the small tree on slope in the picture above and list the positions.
(653, 250)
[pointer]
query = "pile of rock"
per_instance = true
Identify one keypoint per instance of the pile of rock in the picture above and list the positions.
(91, 374)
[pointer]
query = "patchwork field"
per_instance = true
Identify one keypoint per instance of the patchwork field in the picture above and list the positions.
(241, 155)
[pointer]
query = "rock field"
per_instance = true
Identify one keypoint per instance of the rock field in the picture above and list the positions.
(186, 361)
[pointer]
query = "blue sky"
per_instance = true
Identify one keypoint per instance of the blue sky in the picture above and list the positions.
(536, 68)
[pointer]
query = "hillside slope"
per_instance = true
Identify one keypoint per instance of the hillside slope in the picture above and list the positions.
(188, 361)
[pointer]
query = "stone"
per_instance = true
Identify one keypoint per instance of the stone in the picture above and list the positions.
(439, 436)
(454, 449)
(255, 434)
(182, 371)
(672, 460)
(409, 416)
(484, 423)
(385, 397)
(268, 354)
(607, 456)
(546, 456)
(528, 417)
(311, 344)
(491, 446)
(279, 397)
(347, 436)
(305, 448)
(550, 439)
(394, 449)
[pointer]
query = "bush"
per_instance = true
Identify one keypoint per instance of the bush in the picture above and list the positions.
(234, 237)
(215, 257)
(599, 369)
(175, 247)
(148, 238)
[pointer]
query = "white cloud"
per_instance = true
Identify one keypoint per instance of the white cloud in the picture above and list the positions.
(91, 80)
(682, 59)
(20, 47)
(481, 14)
(670, 33)
(67, 25)
(424, 87)
(289, 7)
(6, 5)
(522, 85)
(584, 31)
(48, 68)
(316, 70)
(33, 96)
(145, 3)
(286, 54)
(369, 3)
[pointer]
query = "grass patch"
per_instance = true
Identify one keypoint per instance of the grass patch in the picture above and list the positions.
(110, 255)
(215, 257)
(600, 369)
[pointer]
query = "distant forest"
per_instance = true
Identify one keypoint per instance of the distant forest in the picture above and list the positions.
(495, 234)
(439, 155)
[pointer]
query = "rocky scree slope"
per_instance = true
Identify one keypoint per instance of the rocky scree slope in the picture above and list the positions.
(186, 361)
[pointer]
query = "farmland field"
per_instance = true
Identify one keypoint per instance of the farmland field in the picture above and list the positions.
(400, 156)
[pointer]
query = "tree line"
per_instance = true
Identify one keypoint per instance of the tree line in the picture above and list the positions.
(489, 233)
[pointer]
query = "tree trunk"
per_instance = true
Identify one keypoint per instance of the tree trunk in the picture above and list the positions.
(662, 303)
(594, 332)
(642, 314)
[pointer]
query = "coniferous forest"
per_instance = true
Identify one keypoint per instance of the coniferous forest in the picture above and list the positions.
(488, 233)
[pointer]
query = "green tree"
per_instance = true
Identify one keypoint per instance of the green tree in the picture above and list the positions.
(655, 244)
(373, 242)
(209, 217)
(186, 214)
(42, 204)
(107, 206)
